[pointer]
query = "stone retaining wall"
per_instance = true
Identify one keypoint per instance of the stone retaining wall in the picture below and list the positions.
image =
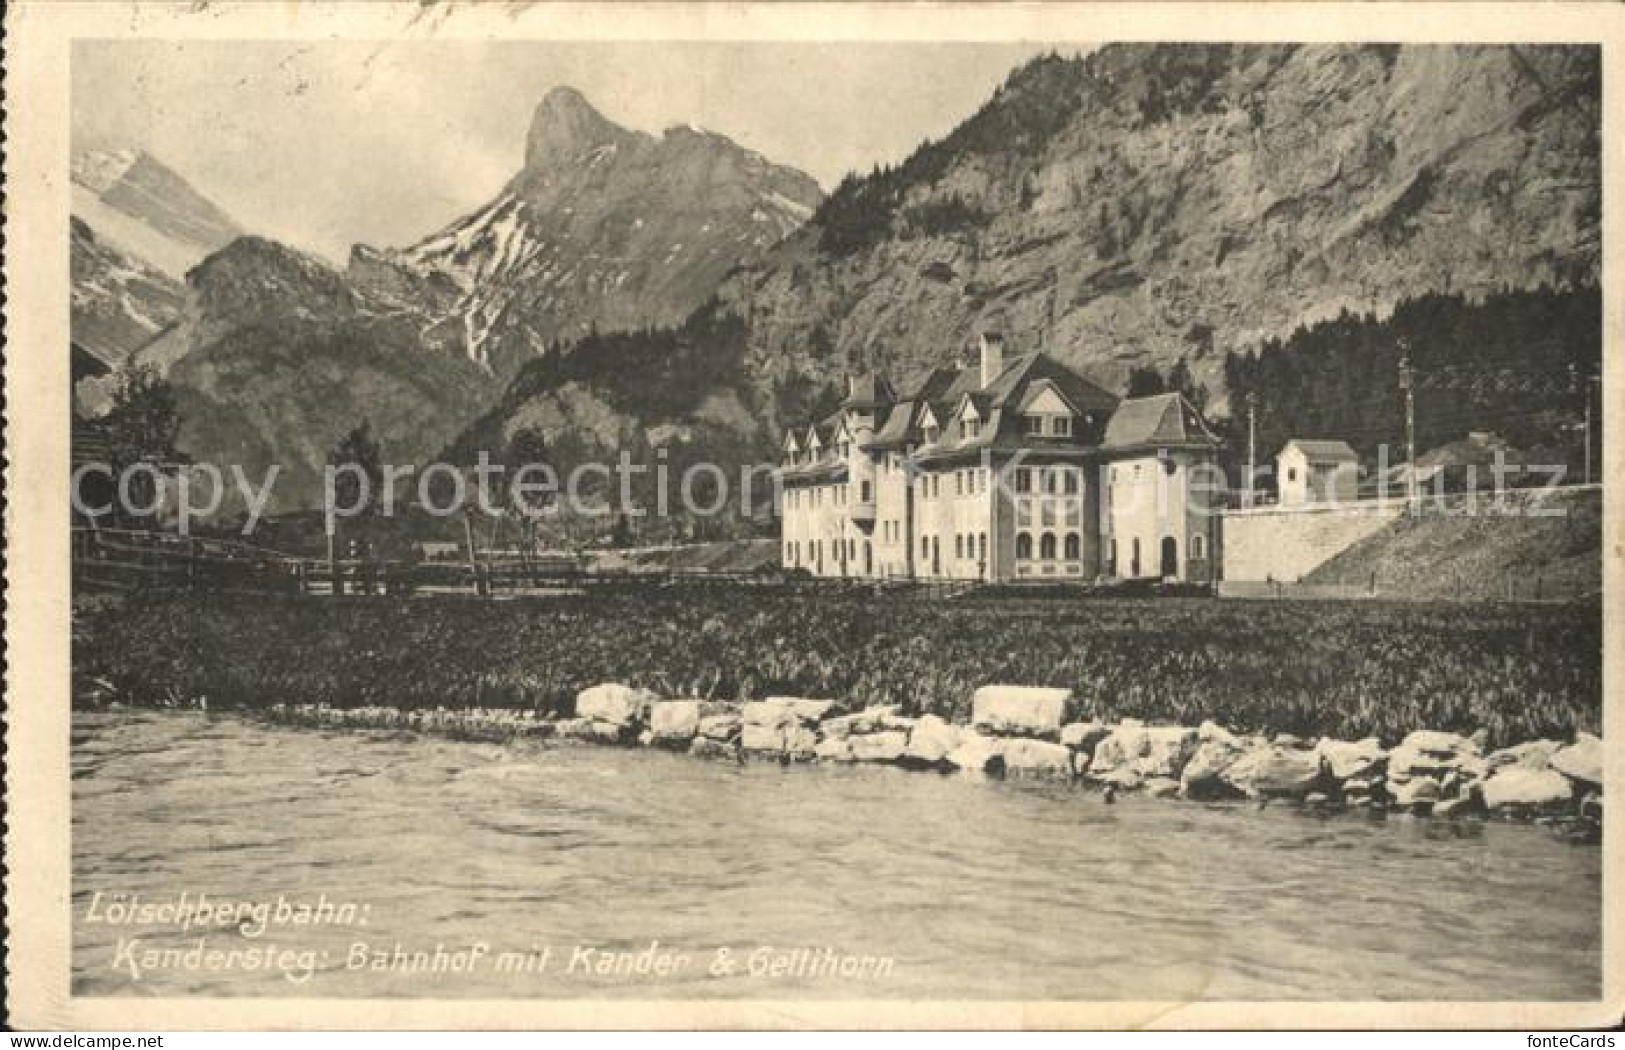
(1288, 543)
(1020, 731)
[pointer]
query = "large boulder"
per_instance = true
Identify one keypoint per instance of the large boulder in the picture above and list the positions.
(1082, 738)
(1145, 751)
(1118, 750)
(1272, 770)
(1025, 757)
(1524, 789)
(1415, 791)
(1344, 759)
(878, 747)
(1428, 752)
(575, 729)
(707, 747)
(834, 749)
(1581, 760)
(768, 714)
(1532, 754)
(674, 721)
(791, 740)
(931, 741)
(1167, 749)
(758, 739)
(869, 720)
(806, 711)
(977, 753)
(801, 744)
(1161, 787)
(723, 727)
(1203, 776)
(614, 703)
(1020, 710)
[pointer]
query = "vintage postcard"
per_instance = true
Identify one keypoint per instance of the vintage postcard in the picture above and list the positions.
(811, 516)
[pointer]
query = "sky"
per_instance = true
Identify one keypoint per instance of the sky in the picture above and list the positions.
(327, 144)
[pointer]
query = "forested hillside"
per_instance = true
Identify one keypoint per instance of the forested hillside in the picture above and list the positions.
(1516, 363)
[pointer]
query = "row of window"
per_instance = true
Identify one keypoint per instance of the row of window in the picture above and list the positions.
(967, 546)
(1035, 425)
(967, 482)
(815, 550)
(1052, 481)
(1049, 426)
(1044, 512)
(1168, 563)
(814, 497)
(973, 547)
(1072, 546)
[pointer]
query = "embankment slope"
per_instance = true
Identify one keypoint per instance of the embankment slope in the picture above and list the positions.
(1546, 545)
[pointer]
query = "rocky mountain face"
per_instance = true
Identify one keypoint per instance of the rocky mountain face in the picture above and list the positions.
(117, 302)
(140, 206)
(275, 356)
(603, 228)
(1152, 202)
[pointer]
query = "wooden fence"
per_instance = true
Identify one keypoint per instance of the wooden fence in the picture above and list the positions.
(127, 559)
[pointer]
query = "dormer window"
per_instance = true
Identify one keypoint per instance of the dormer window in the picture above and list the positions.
(931, 434)
(1035, 425)
(1060, 426)
(969, 428)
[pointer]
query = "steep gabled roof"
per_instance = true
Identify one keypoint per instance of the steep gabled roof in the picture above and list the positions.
(1158, 420)
(870, 390)
(933, 384)
(895, 431)
(944, 392)
(1322, 450)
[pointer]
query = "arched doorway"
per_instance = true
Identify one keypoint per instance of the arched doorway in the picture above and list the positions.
(1170, 557)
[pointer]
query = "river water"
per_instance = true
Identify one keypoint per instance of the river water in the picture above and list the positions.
(370, 849)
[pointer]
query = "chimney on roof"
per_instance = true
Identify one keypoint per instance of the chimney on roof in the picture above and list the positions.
(992, 357)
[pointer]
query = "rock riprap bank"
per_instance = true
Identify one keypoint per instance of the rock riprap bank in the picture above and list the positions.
(1026, 732)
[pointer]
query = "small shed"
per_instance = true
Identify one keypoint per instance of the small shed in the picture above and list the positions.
(1317, 470)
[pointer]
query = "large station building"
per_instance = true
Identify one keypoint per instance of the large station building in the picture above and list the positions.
(1014, 468)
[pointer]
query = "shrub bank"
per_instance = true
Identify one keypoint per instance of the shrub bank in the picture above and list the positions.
(1317, 669)
(1025, 732)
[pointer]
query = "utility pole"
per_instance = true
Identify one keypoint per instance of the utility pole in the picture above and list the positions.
(1252, 449)
(335, 585)
(1407, 383)
(473, 557)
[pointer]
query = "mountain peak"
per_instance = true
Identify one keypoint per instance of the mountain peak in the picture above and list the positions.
(565, 125)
